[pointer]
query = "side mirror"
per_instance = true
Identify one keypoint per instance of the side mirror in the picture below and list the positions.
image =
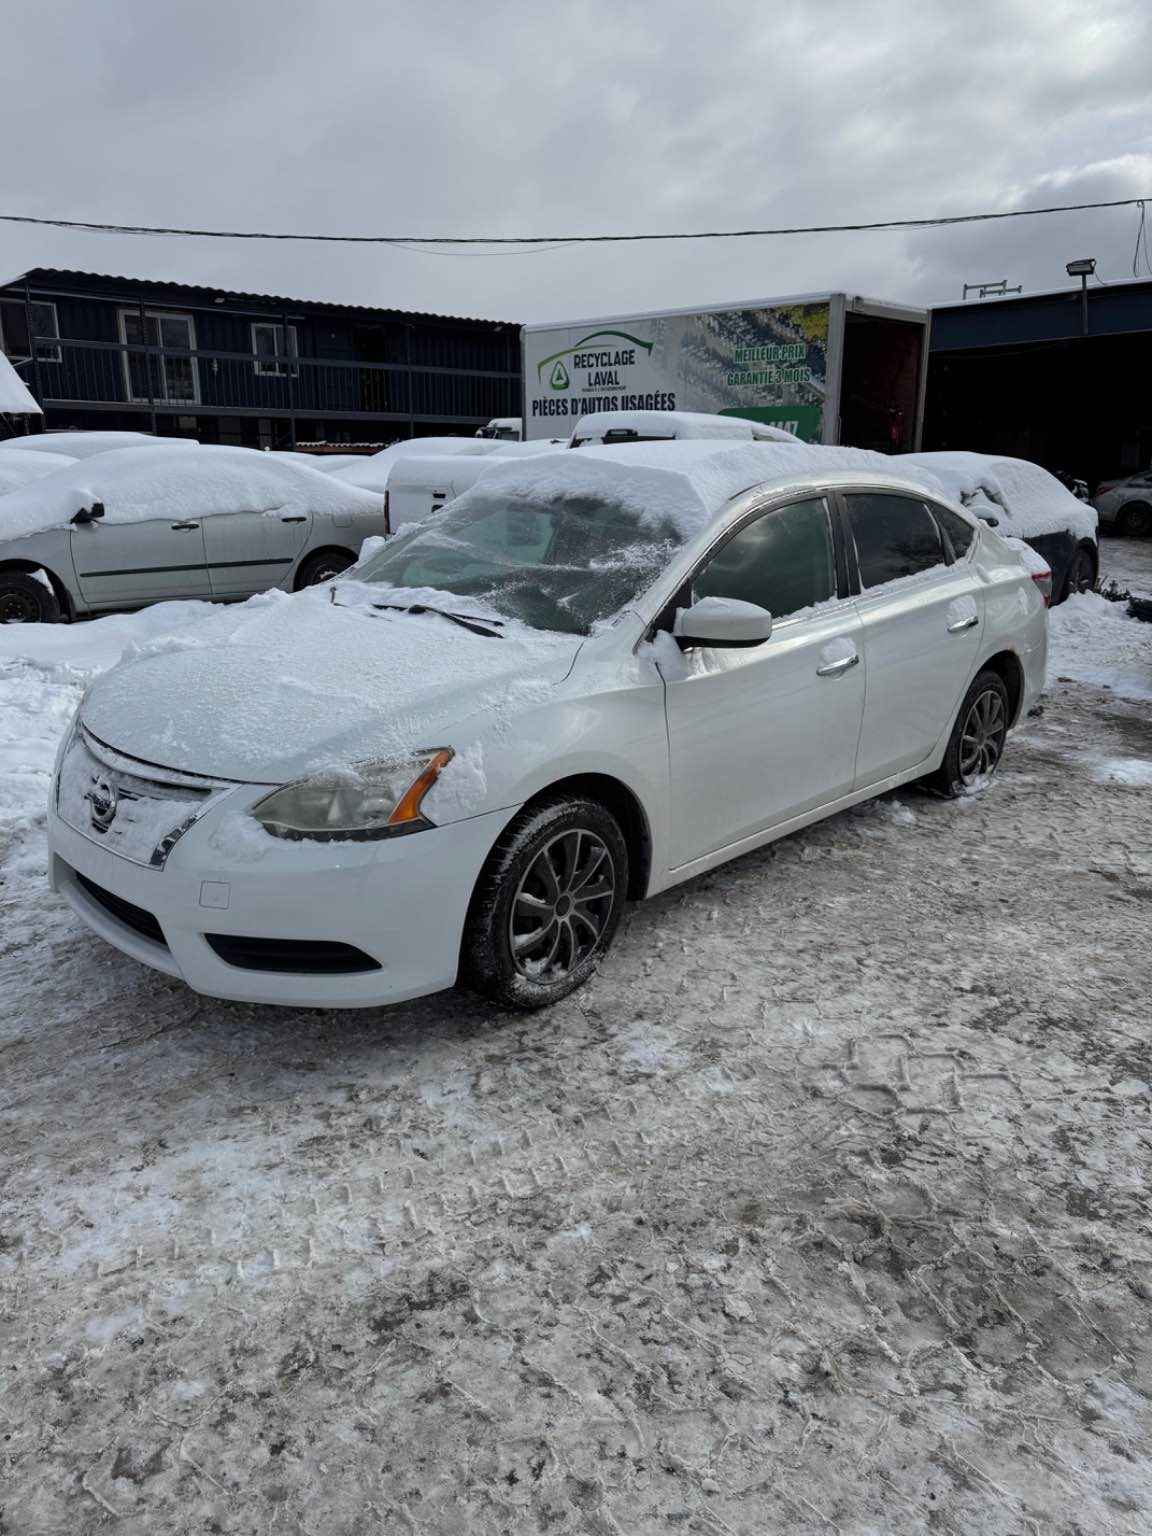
(89, 514)
(722, 621)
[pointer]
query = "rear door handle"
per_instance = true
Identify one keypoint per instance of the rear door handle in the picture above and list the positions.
(834, 668)
(180, 527)
(969, 623)
(294, 519)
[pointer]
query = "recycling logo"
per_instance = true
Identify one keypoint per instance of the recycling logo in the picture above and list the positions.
(559, 377)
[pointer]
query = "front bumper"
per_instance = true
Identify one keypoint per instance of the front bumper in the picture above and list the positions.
(402, 901)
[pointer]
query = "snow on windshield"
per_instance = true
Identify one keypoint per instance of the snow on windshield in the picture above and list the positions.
(136, 484)
(17, 469)
(1025, 497)
(559, 561)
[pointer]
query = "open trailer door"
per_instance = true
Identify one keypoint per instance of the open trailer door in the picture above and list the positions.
(883, 372)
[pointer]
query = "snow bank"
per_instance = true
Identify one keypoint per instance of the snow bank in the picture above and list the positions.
(1094, 641)
(139, 483)
(83, 445)
(1027, 499)
(17, 469)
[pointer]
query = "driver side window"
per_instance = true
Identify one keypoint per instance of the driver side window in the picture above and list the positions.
(782, 560)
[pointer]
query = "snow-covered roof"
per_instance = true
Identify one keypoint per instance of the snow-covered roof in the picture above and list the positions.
(82, 445)
(17, 469)
(15, 397)
(688, 481)
(136, 484)
(373, 473)
(689, 424)
(1027, 499)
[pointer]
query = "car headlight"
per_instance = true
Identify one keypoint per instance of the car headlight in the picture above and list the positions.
(366, 800)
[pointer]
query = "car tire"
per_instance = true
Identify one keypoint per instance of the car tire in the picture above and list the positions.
(531, 938)
(1134, 520)
(322, 567)
(976, 744)
(24, 599)
(1081, 575)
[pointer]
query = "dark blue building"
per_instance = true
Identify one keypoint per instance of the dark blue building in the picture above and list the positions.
(253, 369)
(1045, 377)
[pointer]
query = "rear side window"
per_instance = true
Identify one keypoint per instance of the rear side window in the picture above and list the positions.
(783, 561)
(958, 531)
(895, 536)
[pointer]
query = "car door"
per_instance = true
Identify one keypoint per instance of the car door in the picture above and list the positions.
(759, 735)
(251, 551)
(119, 565)
(922, 613)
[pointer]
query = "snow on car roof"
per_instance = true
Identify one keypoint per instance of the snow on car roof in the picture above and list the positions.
(82, 445)
(17, 469)
(687, 482)
(1035, 502)
(688, 424)
(373, 473)
(140, 483)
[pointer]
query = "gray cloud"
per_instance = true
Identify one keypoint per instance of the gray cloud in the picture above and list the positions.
(614, 115)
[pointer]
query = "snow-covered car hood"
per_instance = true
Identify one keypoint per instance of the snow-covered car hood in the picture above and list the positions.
(291, 685)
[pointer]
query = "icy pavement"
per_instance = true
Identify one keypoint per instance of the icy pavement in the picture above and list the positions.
(824, 1208)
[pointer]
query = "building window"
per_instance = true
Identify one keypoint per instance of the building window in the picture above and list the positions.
(45, 327)
(270, 350)
(159, 356)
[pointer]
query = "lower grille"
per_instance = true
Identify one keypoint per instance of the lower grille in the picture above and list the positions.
(125, 912)
(301, 957)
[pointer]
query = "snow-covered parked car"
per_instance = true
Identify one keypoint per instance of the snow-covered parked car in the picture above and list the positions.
(603, 428)
(372, 473)
(136, 525)
(85, 445)
(594, 676)
(1027, 503)
(1125, 506)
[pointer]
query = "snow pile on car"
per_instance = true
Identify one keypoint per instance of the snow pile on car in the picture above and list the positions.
(373, 473)
(84, 445)
(135, 484)
(685, 483)
(17, 469)
(1022, 495)
(698, 425)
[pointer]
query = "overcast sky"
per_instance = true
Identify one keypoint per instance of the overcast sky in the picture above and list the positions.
(612, 115)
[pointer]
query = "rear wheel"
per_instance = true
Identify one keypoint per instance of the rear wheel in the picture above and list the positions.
(323, 566)
(547, 905)
(24, 599)
(1135, 519)
(1081, 572)
(976, 744)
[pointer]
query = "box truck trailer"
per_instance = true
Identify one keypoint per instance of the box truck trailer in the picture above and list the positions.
(828, 367)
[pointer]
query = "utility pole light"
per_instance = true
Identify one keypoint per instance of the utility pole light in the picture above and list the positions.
(1083, 269)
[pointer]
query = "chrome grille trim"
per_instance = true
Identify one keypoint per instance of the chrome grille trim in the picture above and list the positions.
(151, 773)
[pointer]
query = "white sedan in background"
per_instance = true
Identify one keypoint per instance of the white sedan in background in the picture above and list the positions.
(594, 676)
(137, 525)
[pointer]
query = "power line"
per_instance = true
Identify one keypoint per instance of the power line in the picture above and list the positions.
(939, 222)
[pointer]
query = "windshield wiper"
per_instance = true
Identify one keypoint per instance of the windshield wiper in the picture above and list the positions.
(465, 620)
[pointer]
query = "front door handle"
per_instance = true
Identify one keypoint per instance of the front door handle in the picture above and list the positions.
(834, 668)
(181, 527)
(969, 623)
(294, 519)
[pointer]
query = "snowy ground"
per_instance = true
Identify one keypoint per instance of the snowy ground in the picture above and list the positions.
(825, 1208)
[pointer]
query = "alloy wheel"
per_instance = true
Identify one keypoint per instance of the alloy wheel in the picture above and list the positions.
(982, 739)
(562, 906)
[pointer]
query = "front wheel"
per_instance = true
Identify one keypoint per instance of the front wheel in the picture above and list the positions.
(322, 567)
(547, 904)
(976, 744)
(25, 599)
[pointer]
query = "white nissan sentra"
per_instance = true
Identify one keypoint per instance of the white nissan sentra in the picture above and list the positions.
(595, 675)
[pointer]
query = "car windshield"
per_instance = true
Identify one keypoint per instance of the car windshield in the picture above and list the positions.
(555, 562)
